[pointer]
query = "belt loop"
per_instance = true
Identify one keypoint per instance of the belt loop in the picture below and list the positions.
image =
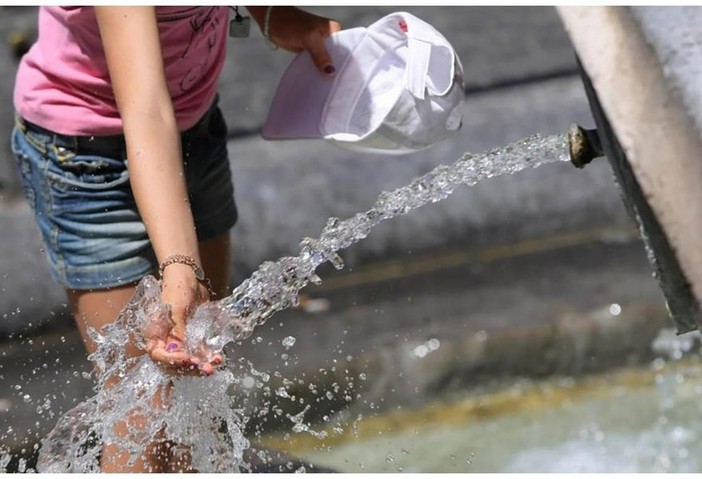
(19, 123)
(31, 139)
(64, 147)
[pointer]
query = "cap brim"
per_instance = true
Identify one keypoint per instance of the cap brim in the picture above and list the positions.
(302, 92)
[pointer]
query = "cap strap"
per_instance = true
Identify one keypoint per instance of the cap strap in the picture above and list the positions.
(417, 66)
(430, 62)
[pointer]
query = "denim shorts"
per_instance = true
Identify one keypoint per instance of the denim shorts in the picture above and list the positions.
(85, 209)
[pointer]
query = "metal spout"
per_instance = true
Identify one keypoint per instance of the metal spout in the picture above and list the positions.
(583, 145)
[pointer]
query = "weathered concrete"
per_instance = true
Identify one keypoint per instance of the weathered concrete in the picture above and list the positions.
(676, 38)
(14, 21)
(28, 296)
(643, 65)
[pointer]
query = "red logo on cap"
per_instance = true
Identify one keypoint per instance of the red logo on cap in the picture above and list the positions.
(403, 25)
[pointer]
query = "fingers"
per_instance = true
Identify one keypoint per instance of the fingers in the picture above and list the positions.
(314, 43)
(182, 292)
(333, 27)
(172, 356)
(178, 331)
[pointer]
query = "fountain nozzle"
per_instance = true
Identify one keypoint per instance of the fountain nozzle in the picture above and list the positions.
(583, 145)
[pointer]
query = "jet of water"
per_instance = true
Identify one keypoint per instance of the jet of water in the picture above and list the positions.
(275, 285)
(199, 416)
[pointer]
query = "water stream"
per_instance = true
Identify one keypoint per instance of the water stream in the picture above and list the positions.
(199, 413)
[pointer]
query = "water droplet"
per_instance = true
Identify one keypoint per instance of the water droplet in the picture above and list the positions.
(421, 351)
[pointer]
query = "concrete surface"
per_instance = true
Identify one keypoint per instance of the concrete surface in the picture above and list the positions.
(643, 64)
(675, 36)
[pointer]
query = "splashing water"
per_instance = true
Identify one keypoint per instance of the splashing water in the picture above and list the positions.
(196, 412)
(275, 285)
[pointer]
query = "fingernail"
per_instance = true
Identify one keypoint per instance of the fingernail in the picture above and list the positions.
(329, 69)
(170, 347)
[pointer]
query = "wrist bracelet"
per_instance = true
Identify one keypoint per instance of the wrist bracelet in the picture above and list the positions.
(267, 28)
(182, 259)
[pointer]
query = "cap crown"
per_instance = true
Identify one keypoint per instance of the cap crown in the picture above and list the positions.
(398, 88)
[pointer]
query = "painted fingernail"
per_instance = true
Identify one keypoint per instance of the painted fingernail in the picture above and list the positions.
(170, 347)
(329, 69)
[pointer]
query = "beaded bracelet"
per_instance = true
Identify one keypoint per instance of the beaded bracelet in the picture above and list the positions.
(182, 259)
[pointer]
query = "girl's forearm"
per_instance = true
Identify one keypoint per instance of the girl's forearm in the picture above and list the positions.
(158, 182)
(133, 51)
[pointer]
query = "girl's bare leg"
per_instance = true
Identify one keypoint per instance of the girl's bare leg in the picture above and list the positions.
(94, 309)
(216, 260)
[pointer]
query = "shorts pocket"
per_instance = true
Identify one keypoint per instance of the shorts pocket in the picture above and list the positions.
(87, 185)
(87, 172)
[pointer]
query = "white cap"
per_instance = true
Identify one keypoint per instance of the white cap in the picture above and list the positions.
(398, 88)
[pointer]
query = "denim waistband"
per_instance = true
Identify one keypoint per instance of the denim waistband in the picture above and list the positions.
(101, 145)
(110, 146)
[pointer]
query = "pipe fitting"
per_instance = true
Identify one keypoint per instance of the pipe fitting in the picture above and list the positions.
(583, 145)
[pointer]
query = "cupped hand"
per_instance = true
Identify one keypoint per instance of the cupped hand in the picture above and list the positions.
(182, 292)
(295, 30)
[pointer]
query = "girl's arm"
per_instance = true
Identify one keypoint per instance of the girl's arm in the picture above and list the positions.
(133, 51)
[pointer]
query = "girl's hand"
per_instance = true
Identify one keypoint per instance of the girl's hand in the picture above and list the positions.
(182, 291)
(296, 30)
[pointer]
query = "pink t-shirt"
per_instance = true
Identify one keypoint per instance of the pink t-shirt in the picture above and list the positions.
(63, 84)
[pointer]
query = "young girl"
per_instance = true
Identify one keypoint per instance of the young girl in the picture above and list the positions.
(121, 149)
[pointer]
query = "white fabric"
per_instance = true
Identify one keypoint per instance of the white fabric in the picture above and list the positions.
(398, 88)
